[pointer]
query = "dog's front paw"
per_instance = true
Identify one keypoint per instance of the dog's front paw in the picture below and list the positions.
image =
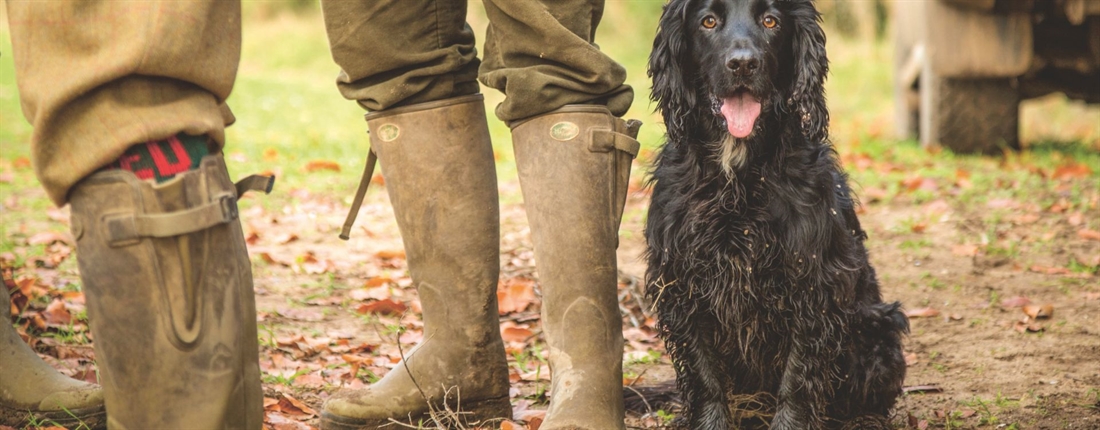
(787, 418)
(711, 416)
(868, 422)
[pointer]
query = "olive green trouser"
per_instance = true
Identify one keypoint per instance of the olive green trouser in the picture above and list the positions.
(96, 77)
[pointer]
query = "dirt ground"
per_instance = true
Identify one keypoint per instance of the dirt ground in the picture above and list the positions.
(974, 360)
(969, 246)
(331, 313)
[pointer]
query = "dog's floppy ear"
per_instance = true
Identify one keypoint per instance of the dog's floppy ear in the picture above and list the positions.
(670, 67)
(811, 66)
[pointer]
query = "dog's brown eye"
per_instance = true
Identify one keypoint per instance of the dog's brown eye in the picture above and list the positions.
(770, 22)
(710, 22)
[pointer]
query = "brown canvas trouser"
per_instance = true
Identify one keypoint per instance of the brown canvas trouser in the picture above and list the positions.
(96, 77)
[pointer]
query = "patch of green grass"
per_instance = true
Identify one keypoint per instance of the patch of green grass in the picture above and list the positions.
(68, 335)
(915, 244)
(651, 357)
(269, 378)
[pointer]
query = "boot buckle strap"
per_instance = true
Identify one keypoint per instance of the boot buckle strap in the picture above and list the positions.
(606, 140)
(124, 229)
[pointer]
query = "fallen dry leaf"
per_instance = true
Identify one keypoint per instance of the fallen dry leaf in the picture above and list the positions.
(962, 178)
(965, 250)
(278, 421)
(515, 334)
(1026, 219)
(914, 183)
(391, 254)
(48, 237)
(1088, 234)
(57, 314)
(317, 165)
(921, 313)
(1075, 219)
(1024, 326)
(911, 359)
(515, 295)
(272, 260)
(382, 307)
(1015, 302)
(376, 293)
(1071, 171)
(874, 194)
(283, 239)
(1001, 204)
(295, 408)
(509, 425)
(937, 207)
(1039, 312)
(378, 281)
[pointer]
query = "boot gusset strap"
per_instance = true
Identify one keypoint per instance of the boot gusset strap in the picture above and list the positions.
(606, 140)
(364, 183)
(255, 183)
(129, 227)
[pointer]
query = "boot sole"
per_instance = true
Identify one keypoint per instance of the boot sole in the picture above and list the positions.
(475, 412)
(94, 418)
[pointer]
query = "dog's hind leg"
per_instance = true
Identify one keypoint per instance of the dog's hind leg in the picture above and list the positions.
(876, 369)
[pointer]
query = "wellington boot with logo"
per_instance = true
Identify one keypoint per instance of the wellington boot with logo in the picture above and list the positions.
(438, 166)
(168, 287)
(33, 392)
(574, 164)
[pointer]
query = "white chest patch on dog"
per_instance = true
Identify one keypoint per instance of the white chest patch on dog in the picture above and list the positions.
(732, 154)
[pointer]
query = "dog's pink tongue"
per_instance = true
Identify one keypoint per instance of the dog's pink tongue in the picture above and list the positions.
(740, 111)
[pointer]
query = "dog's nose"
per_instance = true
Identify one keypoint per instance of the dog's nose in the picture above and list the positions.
(742, 63)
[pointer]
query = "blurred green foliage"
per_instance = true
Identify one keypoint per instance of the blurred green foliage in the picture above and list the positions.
(289, 112)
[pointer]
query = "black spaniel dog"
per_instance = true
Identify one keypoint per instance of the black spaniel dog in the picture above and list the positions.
(757, 265)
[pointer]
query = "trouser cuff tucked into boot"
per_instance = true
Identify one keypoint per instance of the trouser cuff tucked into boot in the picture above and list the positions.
(168, 286)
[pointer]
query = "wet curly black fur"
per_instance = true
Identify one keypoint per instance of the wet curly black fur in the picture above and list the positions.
(758, 268)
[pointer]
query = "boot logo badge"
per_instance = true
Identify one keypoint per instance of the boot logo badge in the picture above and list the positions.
(564, 131)
(388, 132)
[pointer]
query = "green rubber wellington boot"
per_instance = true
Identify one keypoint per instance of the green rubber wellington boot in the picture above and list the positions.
(574, 165)
(438, 164)
(168, 287)
(32, 391)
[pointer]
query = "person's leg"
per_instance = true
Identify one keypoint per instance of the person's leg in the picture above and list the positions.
(573, 155)
(118, 92)
(412, 64)
(394, 53)
(542, 56)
